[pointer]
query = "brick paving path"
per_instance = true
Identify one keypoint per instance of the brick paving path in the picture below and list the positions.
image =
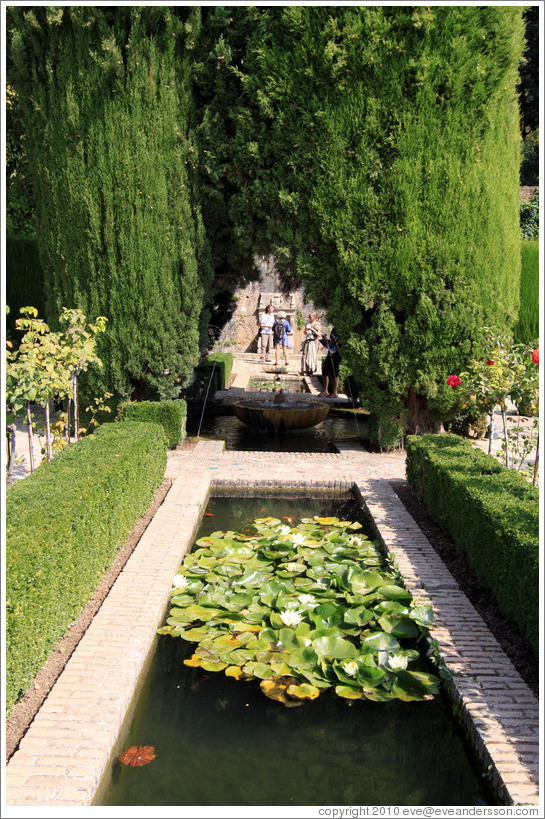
(67, 749)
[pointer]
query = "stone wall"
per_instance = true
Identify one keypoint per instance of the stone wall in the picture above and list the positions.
(240, 333)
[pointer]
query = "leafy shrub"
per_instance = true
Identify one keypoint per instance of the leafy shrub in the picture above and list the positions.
(64, 525)
(529, 217)
(171, 414)
(491, 513)
(24, 279)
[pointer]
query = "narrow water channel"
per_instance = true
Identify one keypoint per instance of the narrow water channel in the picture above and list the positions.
(222, 742)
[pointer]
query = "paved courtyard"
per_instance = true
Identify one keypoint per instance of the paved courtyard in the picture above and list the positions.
(67, 750)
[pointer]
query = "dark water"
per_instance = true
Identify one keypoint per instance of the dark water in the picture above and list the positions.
(314, 439)
(222, 742)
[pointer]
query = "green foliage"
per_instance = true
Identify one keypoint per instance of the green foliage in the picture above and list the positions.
(64, 525)
(20, 207)
(529, 217)
(355, 134)
(24, 278)
(222, 363)
(106, 98)
(491, 513)
(303, 609)
(529, 167)
(527, 326)
(170, 414)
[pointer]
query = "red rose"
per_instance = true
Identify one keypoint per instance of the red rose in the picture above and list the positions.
(488, 361)
(454, 381)
(535, 356)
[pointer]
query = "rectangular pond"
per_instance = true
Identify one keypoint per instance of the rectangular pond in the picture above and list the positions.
(219, 741)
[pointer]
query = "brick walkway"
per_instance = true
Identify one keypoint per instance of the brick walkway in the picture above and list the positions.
(67, 749)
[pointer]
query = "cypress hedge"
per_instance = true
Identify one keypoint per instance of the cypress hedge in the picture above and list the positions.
(527, 326)
(106, 95)
(24, 278)
(375, 152)
(64, 524)
(170, 414)
(492, 515)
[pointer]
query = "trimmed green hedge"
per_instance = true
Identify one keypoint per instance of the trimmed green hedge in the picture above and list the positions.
(64, 525)
(491, 513)
(171, 414)
(222, 363)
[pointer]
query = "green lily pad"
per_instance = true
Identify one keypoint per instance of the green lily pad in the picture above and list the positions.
(348, 693)
(333, 647)
(380, 641)
(303, 691)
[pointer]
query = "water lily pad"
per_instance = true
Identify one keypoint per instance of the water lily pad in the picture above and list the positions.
(402, 627)
(348, 693)
(359, 616)
(269, 521)
(333, 647)
(303, 691)
(380, 641)
(391, 592)
(236, 672)
(423, 615)
(277, 690)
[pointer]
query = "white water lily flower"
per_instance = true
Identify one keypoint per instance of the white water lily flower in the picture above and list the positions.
(290, 617)
(283, 530)
(180, 582)
(292, 567)
(308, 600)
(355, 540)
(398, 662)
(350, 667)
(298, 539)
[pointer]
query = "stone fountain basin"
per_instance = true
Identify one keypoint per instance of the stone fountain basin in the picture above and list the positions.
(287, 415)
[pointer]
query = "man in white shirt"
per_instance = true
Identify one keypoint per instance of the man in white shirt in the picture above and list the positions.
(266, 323)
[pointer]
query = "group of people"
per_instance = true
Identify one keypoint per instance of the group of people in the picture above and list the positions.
(274, 332)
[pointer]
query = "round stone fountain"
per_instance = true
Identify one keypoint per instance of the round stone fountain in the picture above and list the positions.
(280, 413)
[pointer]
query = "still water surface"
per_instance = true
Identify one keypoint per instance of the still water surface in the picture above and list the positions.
(222, 742)
(238, 436)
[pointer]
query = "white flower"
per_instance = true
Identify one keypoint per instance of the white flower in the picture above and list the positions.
(290, 617)
(298, 539)
(350, 667)
(355, 541)
(292, 567)
(308, 600)
(180, 582)
(307, 642)
(398, 662)
(283, 530)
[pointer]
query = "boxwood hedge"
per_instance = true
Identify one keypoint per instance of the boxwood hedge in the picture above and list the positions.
(64, 524)
(171, 414)
(492, 515)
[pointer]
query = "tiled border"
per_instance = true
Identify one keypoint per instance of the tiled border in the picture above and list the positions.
(63, 756)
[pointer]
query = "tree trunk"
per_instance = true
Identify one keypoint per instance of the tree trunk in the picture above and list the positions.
(67, 428)
(48, 447)
(76, 408)
(30, 441)
(12, 444)
(419, 421)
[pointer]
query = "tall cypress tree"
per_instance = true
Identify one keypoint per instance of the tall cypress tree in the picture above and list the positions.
(375, 152)
(107, 99)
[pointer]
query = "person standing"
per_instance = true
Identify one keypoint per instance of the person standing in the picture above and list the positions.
(331, 363)
(309, 358)
(266, 324)
(280, 336)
